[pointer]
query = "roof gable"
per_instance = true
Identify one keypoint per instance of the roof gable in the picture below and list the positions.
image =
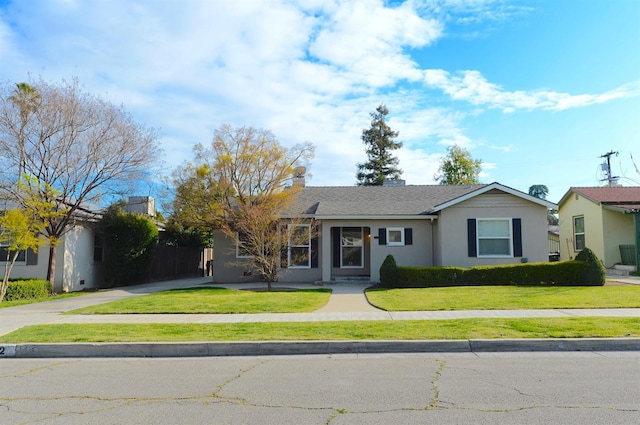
(607, 195)
(492, 187)
(411, 200)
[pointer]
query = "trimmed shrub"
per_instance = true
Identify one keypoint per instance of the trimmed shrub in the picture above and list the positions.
(389, 272)
(425, 277)
(28, 289)
(594, 274)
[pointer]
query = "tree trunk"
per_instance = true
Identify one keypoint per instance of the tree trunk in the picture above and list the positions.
(51, 267)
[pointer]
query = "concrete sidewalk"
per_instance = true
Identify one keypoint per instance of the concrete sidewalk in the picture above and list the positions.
(347, 303)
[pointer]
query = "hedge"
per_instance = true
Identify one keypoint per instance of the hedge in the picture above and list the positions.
(566, 273)
(586, 270)
(28, 289)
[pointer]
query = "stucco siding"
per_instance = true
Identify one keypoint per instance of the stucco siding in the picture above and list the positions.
(453, 237)
(74, 262)
(78, 270)
(228, 268)
(618, 228)
(575, 206)
(419, 253)
(36, 271)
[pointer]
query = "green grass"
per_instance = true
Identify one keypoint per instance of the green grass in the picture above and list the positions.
(504, 297)
(585, 327)
(215, 300)
(5, 303)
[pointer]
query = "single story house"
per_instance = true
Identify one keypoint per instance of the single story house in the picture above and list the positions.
(79, 259)
(430, 225)
(603, 219)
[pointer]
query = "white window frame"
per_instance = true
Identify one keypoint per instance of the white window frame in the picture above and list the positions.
(238, 248)
(3, 258)
(342, 246)
(395, 229)
(509, 238)
(575, 234)
(307, 245)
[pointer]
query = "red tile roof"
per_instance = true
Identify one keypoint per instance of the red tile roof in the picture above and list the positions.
(613, 194)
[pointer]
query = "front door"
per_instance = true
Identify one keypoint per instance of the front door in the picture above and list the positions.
(350, 251)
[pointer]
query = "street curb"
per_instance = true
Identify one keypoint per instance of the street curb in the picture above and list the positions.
(277, 348)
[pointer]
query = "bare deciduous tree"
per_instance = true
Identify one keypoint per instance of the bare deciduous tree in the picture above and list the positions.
(76, 143)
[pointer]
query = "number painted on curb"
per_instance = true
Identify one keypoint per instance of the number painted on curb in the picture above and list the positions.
(7, 350)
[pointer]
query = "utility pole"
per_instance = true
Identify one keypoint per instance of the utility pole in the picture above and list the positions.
(609, 177)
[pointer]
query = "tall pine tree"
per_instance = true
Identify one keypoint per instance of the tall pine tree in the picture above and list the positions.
(379, 138)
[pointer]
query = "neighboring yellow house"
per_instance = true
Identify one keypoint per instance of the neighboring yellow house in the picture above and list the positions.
(603, 219)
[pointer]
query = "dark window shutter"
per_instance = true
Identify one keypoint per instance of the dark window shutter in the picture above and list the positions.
(517, 237)
(382, 236)
(32, 257)
(335, 241)
(471, 237)
(314, 253)
(408, 236)
(284, 258)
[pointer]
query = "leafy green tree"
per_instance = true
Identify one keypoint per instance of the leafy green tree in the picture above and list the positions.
(18, 232)
(21, 228)
(380, 142)
(130, 240)
(458, 167)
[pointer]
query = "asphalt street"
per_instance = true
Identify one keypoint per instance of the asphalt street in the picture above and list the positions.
(489, 388)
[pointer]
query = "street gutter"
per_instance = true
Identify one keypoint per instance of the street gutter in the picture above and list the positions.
(277, 348)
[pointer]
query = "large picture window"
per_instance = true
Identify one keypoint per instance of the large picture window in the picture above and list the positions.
(299, 253)
(494, 238)
(351, 247)
(578, 233)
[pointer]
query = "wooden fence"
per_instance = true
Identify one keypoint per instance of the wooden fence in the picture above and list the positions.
(175, 262)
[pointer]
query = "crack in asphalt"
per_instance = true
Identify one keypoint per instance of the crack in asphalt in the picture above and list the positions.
(215, 397)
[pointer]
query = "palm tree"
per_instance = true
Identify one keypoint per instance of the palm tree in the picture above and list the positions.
(27, 99)
(539, 191)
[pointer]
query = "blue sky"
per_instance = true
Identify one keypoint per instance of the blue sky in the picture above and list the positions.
(536, 89)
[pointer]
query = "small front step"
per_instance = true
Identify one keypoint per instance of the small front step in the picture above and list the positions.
(621, 270)
(347, 280)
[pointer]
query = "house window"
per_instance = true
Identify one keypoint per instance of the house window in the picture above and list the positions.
(351, 247)
(578, 233)
(299, 253)
(395, 236)
(241, 240)
(98, 248)
(22, 255)
(494, 238)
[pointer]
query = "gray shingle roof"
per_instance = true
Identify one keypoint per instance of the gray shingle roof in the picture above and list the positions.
(375, 200)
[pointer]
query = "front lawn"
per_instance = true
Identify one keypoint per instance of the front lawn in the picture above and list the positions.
(504, 297)
(209, 300)
(584, 327)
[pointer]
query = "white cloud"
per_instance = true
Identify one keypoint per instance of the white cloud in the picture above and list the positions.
(472, 87)
(308, 71)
